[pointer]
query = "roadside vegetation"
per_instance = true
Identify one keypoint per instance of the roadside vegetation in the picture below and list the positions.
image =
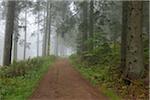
(101, 67)
(18, 81)
(97, 75)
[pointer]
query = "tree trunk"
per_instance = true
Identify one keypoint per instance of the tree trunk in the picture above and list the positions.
(16, 32)
(124, 34)
(38, 31)
(85, 26)
(49, 28)
(45, 34)
(25, 34)
(57, 44)
(134, 51)
(9, 32)
(91, 24)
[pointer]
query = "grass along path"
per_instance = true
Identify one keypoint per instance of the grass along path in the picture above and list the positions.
(18, 81)
(97, 76)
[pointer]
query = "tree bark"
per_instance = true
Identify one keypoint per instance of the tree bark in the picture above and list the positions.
(16, 32)
(25, 34)
(134, 51)
(45, 34)
(91, 24)
(49, 28)
(9, 32)
(124, 35)
(38, 31)
(57, 44)
(84, 26)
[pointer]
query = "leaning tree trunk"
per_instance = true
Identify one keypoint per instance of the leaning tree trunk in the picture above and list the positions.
(9, 32)
(124, 34)
(134, 57)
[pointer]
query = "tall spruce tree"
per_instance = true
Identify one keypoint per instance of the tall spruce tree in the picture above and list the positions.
(11, 5)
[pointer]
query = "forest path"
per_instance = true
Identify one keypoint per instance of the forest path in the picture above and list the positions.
(63, 82)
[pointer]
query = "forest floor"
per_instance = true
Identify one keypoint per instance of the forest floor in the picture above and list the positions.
(63, 82)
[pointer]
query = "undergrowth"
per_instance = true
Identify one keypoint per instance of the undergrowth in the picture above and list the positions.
(102, 68)
(98, 76)
(18, 81)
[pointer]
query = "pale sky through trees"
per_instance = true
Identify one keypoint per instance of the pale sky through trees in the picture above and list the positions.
(31, 28)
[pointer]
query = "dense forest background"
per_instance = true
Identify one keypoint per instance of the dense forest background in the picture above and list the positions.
(65, 20)
(108, 41)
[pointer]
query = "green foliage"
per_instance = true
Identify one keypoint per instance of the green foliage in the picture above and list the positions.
(108, 78)
(103, 50)
(101, 66)
(18, 80)
(98, 75)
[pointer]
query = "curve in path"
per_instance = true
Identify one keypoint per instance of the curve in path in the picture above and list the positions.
(63, 82)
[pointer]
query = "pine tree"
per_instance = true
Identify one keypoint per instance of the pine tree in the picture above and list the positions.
(134, 51)
(9, 32)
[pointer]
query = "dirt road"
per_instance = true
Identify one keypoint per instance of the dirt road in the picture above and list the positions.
(63, 82)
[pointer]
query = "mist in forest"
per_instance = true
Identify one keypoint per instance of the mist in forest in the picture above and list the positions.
(54, 28)
(65, 45)
(103, 41)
